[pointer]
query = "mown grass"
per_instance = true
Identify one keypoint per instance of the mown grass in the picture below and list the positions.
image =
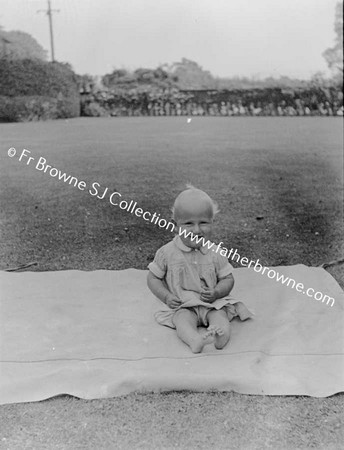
(277, 181)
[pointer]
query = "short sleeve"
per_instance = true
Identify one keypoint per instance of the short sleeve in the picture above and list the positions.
(223, 267)
(159, 265)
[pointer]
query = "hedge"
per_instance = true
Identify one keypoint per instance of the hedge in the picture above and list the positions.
(37, 90)
(31, 108)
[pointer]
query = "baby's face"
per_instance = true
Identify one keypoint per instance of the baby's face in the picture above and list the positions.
(197, 219)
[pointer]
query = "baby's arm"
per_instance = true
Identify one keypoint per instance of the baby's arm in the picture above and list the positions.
(159, 289)
(222, 289)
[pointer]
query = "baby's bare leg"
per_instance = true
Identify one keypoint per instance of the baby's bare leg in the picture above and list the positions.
(219, 326)
(185, 322)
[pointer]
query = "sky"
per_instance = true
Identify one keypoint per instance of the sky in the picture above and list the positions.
(253, 38)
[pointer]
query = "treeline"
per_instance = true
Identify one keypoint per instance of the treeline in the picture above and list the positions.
(33, 89)
(166, 91)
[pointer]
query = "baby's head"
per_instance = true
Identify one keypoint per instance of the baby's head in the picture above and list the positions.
(194, 211)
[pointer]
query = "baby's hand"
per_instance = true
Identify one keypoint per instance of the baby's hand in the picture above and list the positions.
(208, 295)
(172, 301)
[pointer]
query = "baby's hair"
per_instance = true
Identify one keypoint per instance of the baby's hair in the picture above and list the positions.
(189, 186)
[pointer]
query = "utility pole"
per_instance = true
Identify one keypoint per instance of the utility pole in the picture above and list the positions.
(49, 12)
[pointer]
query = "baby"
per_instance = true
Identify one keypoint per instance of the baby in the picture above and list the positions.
(193, 280)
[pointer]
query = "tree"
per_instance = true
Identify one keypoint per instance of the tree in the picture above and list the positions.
(20, 45)
(334, 55)
(86, 83)
(192, 76)
(118, 78)
(157, 78)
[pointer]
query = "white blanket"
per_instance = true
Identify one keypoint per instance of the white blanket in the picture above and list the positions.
(93, 335)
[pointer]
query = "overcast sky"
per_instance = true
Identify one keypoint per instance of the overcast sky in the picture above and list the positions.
(227, 37)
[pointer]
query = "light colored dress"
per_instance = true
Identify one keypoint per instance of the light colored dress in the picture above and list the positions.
(186, 271)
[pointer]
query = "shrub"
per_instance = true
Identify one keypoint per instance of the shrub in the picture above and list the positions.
(37, 90)
(93, 109)
(20, 109)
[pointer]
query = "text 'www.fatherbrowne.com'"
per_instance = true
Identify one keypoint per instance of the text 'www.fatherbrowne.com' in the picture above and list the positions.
(257, 267)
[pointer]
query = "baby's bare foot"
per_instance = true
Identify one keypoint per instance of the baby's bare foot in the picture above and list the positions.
(197, 344)
(213, 330)
(220, 337)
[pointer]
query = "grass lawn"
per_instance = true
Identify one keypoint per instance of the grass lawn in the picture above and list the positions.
(278, 182)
